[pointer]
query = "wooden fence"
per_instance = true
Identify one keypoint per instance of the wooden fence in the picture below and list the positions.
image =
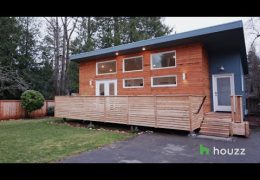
(183, 112)
(11, 109)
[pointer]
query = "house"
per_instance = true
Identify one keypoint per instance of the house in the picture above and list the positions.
(209, 63)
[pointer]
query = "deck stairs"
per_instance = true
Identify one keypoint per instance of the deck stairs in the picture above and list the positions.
(216, 124)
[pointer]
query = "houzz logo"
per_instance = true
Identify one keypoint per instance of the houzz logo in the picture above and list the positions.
(223, 151)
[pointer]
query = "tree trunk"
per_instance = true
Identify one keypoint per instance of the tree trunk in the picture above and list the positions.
(57, 45)
(63, 57)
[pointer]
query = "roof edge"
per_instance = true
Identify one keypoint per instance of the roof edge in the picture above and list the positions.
(159, 40)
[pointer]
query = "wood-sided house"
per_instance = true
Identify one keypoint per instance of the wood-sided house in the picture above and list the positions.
(181, 81)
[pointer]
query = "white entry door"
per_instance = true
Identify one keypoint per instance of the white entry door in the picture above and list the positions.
(223, 88)
(106, 87)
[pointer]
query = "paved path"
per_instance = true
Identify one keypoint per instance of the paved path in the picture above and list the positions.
(171, 148)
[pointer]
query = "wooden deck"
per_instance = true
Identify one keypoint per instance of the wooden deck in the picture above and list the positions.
(180, 112)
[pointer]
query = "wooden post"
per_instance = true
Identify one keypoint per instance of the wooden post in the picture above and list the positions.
(237, 109)
(190, 114)
(232, 99)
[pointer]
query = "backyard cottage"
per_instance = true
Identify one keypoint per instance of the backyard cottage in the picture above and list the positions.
(186, 81)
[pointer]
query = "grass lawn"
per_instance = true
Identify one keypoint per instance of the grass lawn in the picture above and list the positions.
(48, 140)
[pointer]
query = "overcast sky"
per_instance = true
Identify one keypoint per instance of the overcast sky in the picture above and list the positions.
(182, 24)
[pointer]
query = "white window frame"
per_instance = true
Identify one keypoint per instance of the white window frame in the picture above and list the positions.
(133, 86)
(124, 71)
(105, 62)
(166, 85)
(164, 52)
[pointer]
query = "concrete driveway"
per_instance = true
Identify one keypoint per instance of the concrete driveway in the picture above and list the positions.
(161, 147)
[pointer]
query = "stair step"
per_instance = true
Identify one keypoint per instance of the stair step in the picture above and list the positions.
(216, 123)
(219, 116)
(216, 119)
(218, 134)
(212, 129)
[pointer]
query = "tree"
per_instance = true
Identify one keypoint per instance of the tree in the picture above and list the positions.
(114, 31)
(31, 100)
(11, 79)
(9, 38)
(85, 39)
(140, 28)
(11, 83)
(253, 26)
(60, 30)
(253, 80)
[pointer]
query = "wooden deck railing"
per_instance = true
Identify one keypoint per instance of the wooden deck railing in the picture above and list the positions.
(237, 108)
(171, 112)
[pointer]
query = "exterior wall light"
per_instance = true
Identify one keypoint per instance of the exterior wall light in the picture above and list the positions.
(90, 82)
(183, 76)
(221, 68)
(117, 53)
(143, 49)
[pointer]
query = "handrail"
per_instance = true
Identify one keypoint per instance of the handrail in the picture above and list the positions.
(203, 100)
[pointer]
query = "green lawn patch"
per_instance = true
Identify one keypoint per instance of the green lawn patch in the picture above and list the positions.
(48, 140)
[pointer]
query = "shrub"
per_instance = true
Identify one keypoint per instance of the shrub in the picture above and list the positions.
(31, 100)
(50, 111)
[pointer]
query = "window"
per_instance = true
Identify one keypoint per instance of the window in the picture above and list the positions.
(133, 83)
(163, 60)
(164, 81)
(106, 67)
(133, 64)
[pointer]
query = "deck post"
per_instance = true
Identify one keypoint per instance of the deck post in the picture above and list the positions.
(192, 134)
(190, 114)
(91, 125)
(134, 128)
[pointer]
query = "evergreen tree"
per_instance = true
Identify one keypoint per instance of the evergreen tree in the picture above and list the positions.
(9, 38)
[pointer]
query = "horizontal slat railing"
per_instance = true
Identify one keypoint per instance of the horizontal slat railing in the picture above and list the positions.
(171, 112)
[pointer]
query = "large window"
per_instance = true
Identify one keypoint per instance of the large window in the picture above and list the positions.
(163, 60)
(133, 83)
(164, 81)
(133, 64)
(106, 67)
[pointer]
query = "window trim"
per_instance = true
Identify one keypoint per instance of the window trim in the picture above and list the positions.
(124, 71)
(164, 52)
(133, 86)
(168, 85)
(105, 62)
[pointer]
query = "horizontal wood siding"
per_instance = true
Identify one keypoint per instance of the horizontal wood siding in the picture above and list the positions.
(171, 112)
(190, 59)
(12, 109)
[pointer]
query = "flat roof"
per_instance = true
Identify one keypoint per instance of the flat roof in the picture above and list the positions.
(212, 37)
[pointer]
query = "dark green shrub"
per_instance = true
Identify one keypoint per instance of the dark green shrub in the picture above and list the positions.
(31, 100)
(50, 111)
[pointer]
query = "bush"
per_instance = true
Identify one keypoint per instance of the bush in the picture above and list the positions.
(31, 100)
(50, 111)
